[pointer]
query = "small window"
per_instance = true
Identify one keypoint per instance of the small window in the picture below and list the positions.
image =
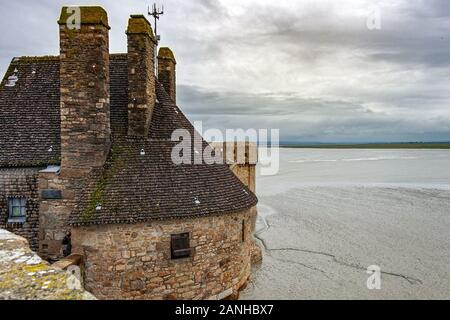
(17, 209)
(243, 230)
(179, 246)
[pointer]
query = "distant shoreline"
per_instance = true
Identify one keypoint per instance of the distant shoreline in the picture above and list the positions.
(403, 145)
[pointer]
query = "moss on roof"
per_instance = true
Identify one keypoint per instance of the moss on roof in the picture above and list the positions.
(166, 53)
(138, 24)
(89, 15)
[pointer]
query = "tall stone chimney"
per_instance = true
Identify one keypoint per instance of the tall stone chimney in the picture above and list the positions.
(166, 71)
(84, 86)
(85, 124)
(141, 75)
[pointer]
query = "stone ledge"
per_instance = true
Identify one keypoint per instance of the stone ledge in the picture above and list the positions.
(25, 276)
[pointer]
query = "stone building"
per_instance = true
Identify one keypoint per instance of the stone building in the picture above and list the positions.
(86, 146)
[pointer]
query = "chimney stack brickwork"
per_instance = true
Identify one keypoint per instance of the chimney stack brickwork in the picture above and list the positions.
(141, 75)
(85, 118)
(84, 76)
(166, 71)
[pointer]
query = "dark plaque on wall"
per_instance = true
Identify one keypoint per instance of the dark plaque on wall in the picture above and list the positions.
(51, 194)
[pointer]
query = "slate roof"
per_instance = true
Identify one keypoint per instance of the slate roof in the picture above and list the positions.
(29, 113)
(131, 187)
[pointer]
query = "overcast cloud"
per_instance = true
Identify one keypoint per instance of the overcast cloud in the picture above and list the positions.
(310, 68)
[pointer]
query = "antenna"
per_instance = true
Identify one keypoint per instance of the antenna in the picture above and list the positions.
(156, 12)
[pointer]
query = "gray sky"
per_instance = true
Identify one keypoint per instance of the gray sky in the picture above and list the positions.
(313, 69)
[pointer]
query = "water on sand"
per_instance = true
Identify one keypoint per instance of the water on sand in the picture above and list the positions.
(329, 214)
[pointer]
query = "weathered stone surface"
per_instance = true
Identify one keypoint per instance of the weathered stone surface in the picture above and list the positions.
(241, 157)
(53, 214)
(133, 261)
(24, 275)
(84, 88)
(141, 75)
(166, 71)
(85, 120)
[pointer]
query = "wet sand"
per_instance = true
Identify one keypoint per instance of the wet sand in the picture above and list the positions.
(319, 241)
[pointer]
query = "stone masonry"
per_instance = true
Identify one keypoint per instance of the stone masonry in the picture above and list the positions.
(133, 261)
(166, 71)
(129, 258)
(141, 75)
(84, 83)
(242, 158)
(85, 113)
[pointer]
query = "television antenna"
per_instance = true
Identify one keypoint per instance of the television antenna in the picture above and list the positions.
(156, 12)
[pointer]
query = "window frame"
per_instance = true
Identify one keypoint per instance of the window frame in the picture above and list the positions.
(21, 204)
(180, 246)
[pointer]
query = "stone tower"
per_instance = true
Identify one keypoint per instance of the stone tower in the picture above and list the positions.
(241, 158)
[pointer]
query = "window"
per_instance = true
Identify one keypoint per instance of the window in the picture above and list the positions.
(17, 209)
(179, 246)
(243, 230)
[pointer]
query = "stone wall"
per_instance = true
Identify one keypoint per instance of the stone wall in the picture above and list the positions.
(53, 213)
(21, 183)
(134, 261)
(241, 158)
(246, 173)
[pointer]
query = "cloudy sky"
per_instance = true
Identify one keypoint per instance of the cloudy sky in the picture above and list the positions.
(319, 70)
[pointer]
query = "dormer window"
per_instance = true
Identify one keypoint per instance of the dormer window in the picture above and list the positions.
(17, 208)
(179, 246)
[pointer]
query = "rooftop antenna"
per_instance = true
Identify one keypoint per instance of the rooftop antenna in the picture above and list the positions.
(156, 12)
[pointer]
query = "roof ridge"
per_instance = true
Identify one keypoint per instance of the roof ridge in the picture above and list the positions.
(28, 59)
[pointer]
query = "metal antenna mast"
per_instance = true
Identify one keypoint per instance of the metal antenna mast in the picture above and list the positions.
(156, 12)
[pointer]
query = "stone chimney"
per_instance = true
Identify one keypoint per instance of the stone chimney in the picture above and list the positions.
(84, 87)
(166, 71)
(141, 75)
(85, 126)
